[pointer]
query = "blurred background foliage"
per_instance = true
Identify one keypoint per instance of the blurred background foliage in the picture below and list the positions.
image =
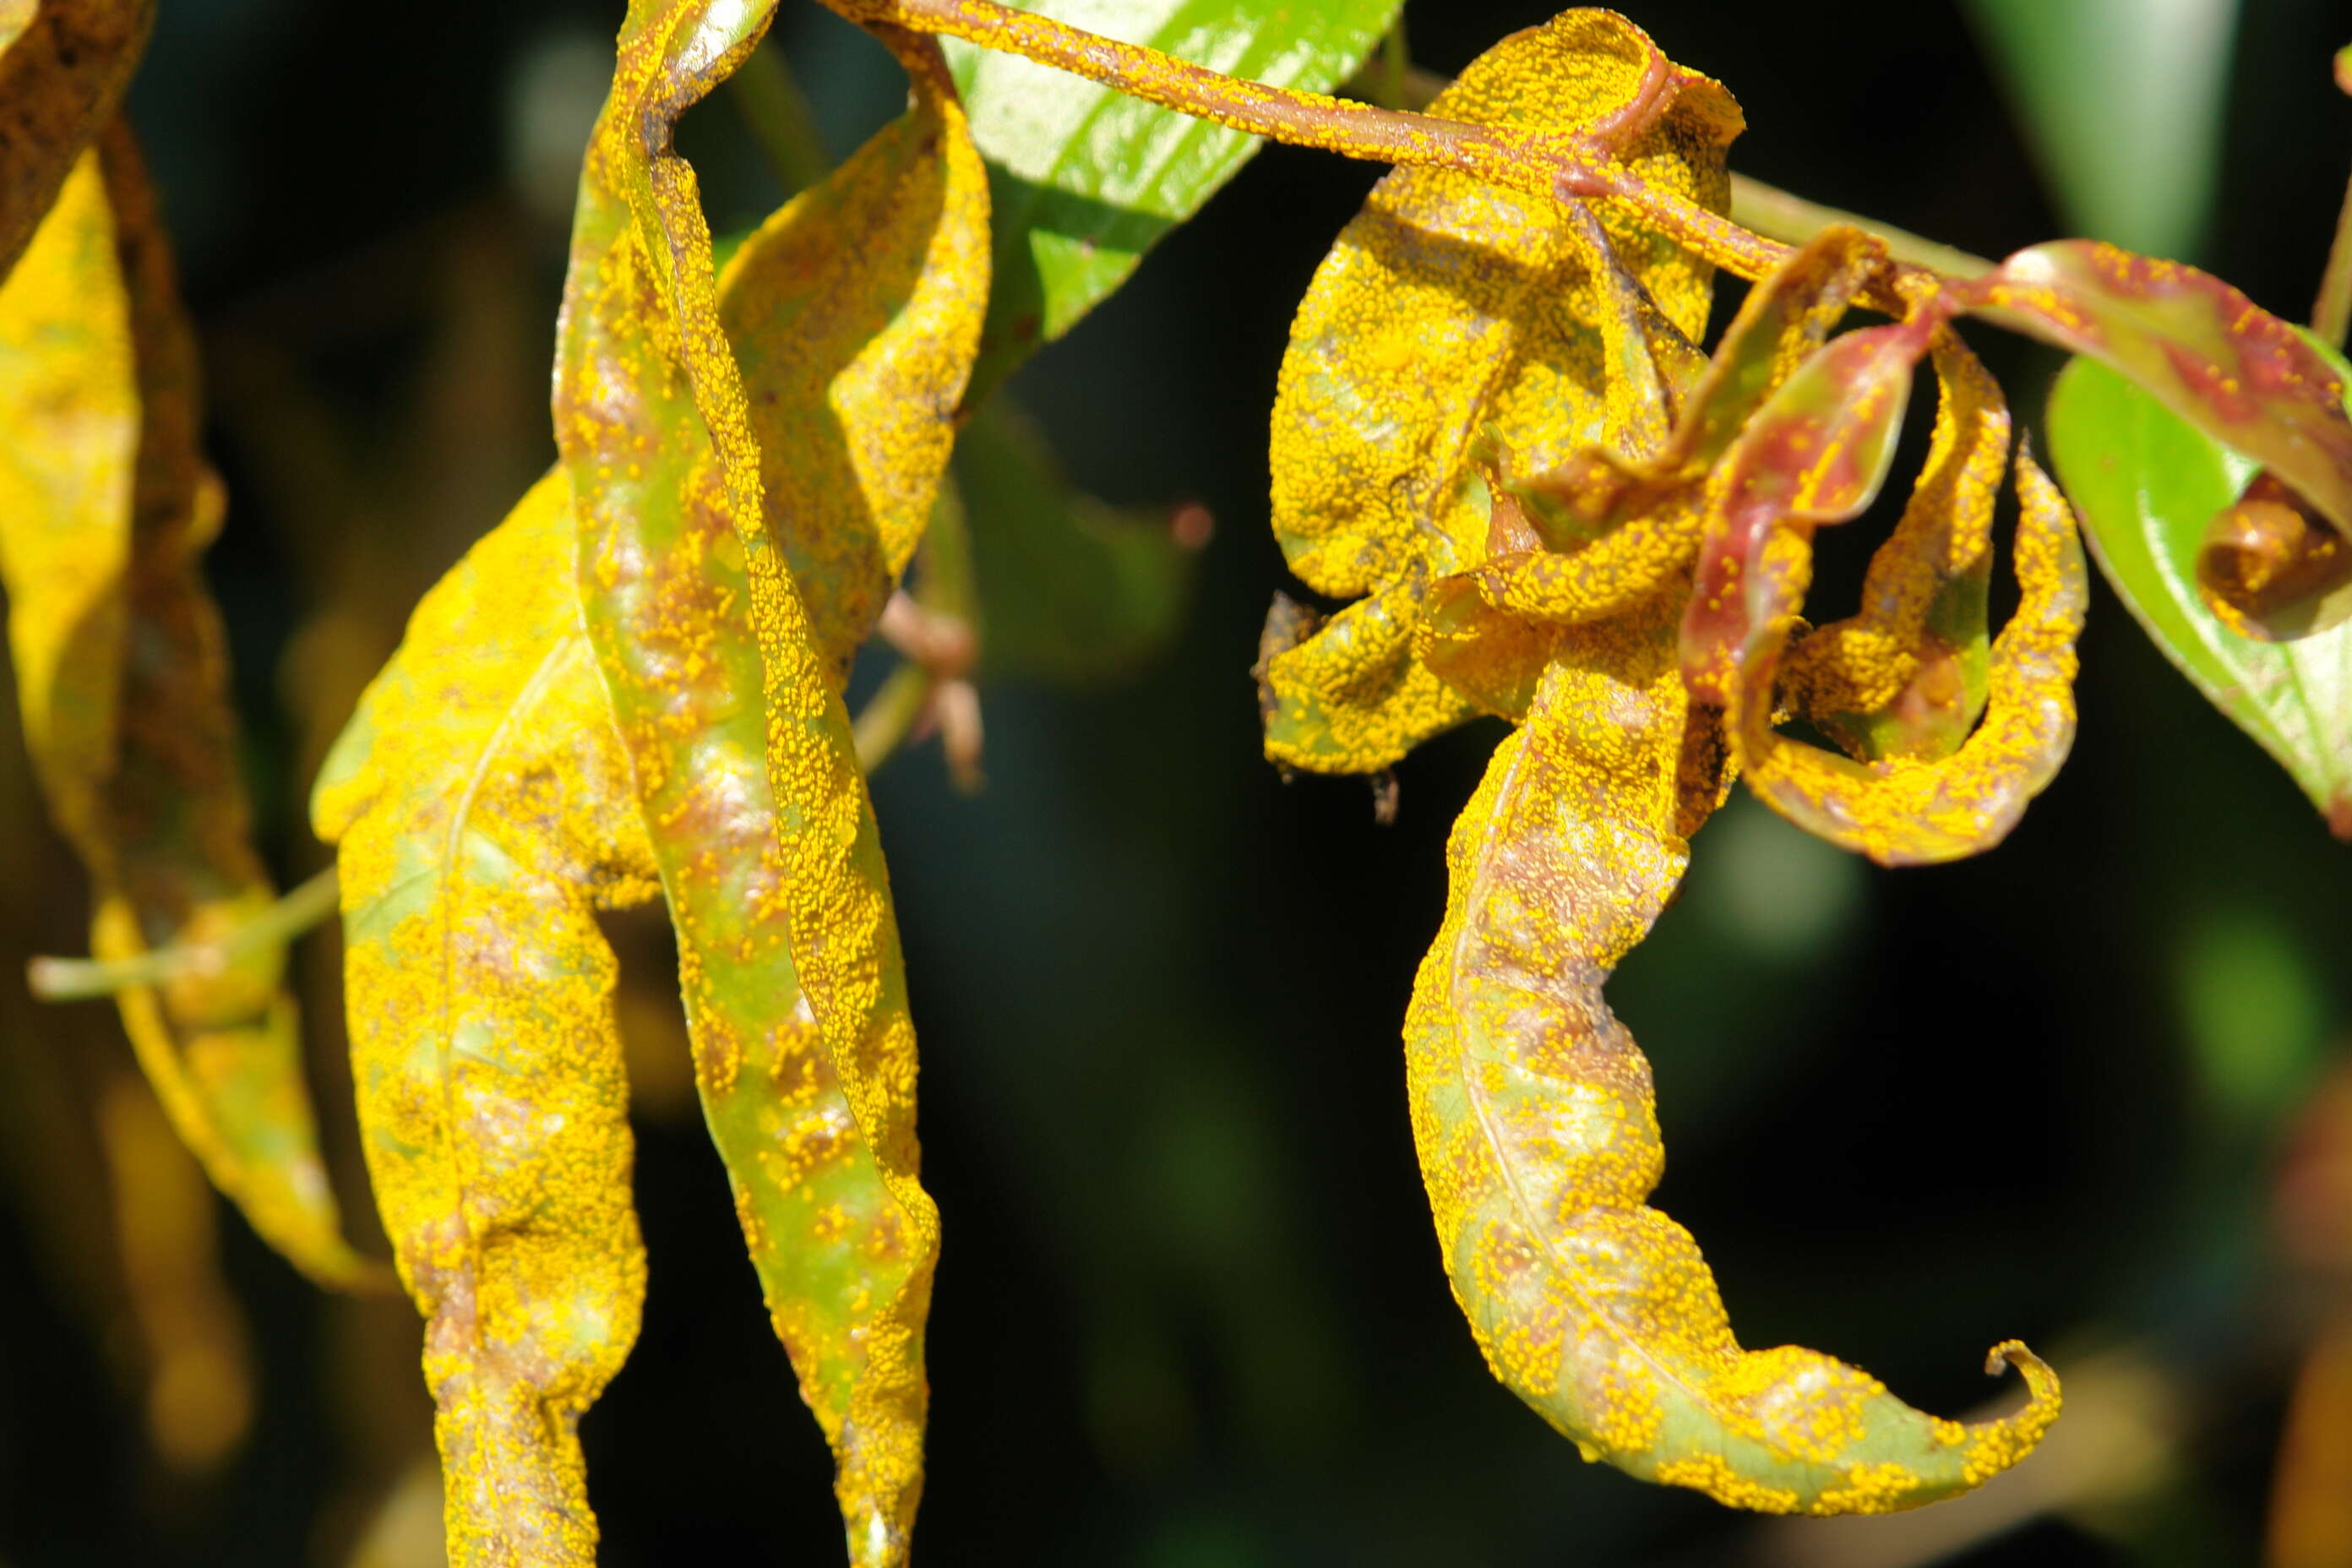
(2090, 1089)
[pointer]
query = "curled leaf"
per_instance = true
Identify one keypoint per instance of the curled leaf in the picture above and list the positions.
(1533, 1113)
(2204, 351)
(1905, 811)
(789, 950)
(2149, 482)
(1453, 312)
(482, 811)
(63, 67)
(105, 505)
(2269, 569)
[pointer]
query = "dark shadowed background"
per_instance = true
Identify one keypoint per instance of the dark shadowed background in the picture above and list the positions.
(1189, 1313)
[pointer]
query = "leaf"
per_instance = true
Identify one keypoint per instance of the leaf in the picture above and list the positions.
(1084, 180)
(1533, 1113)
(1451, 310)
(1070, 590)
(810, 1091)
(2149, 482)
(482, 811)
(852, 312)
(63, 67)
(105, 505)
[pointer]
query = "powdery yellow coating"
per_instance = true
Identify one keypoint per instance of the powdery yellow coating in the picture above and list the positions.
(1533, 1113)
(1450, 306)
(1905, 677)
(483, 812)
(685, 529)
(1904, 811)
(105, 505)
(63, 67)
(854, 313)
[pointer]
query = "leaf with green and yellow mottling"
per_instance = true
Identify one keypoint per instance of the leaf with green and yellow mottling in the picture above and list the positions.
(105, 505)
(1449, 310)
(63, 67)
(1533, 1112)
(789, 948)
(482, 812)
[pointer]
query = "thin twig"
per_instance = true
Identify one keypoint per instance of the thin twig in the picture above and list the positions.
(1778, 214)
(80, 979)
(889, 715)
(2331, 314)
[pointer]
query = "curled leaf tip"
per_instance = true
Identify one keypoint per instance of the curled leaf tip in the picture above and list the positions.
(2270, 569)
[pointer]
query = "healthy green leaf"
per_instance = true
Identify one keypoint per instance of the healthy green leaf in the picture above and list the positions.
(1084, 180)
(105, 505)
(2149, 483)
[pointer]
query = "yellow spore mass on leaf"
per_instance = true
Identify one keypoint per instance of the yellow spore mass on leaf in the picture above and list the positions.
(482, 811)
(1451, 307)
(121, 669)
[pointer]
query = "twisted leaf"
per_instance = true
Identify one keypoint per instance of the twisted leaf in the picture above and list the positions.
(1533, 1113)
(63, 67)
(1449, 308)
(105, 505)
(482, 811)
(789, 950)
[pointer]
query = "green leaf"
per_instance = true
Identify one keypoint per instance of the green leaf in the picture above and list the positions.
(2146, 483)
(1071, 590)
(1084, 180)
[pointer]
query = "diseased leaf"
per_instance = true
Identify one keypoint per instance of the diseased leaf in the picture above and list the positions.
(105, 505)
(852, 312)
(789, 950)
(1083, 179)
(1069, 589)
(2149, 483)
(1452, 312)
(481, 807)
(63, 67)
(1533, 1113)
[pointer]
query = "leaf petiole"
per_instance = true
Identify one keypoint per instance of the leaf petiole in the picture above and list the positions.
(81, 979)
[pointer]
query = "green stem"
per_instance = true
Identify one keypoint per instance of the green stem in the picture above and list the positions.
(1778, 214)
(81, 979)
(778, 115)
(890, 714)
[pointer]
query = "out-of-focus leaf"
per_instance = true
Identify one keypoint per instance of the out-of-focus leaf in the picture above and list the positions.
(1452, 312)
(482, 810)
(1070, 590)
(2149, 483)
(63, 67)
(789, 948)
(1085, 179)
(105, 505)
(2122, 100)
(1533, 1113)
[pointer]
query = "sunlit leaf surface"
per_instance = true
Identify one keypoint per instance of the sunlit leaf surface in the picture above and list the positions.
(1084, 180)
(2149, 484)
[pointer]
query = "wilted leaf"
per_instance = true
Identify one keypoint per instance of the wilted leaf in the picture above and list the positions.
(481, 807)
(789, 949)
(105, 505)
(1069, 589)
(63, 67)
(1083, 179)
(1453, 311)
(2150, 483)
(1533, 1112)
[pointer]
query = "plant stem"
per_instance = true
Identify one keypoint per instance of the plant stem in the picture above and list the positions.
(1559, 166)
(80, 979)
(2331, 313)
(890, 714)
(1779, 215)
(777, 113)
